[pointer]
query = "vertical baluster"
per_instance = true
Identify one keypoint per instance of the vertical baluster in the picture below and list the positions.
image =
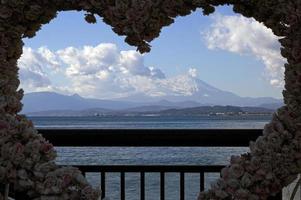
(103, 185)
(162, 185)
(122, 186)
(182, 186)
(202, 181)
(142, 186)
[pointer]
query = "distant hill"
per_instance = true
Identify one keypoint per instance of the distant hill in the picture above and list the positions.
(161, 111)
(46, 101)
(272, 106)
(151, 108)
(216, 110)
(71, 113)
(51, 101)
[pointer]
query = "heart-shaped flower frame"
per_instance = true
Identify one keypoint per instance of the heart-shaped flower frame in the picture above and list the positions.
(27, 160)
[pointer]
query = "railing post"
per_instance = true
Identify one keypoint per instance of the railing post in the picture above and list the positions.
(162, 185)
(202, 181)
(182, 186)
(103, 185)
(122, 186)
(142, 186)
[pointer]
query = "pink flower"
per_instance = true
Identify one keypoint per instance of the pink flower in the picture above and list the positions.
(236, 170)
(242, 194)
(46, 147)
(5, 12)
(88, 193)
(19, 148)
(67, 179)
(3, 125)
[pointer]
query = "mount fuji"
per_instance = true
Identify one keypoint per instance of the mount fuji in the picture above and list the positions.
(193, 90)
(187, 92)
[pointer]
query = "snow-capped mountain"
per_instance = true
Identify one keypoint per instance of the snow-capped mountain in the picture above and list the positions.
(187, 92)
(192, 89)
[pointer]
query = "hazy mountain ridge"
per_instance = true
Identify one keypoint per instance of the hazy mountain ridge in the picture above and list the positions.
(200, 94)
(45, 101)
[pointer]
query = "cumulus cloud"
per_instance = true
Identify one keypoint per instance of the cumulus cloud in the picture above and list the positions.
(88, 60)
(245, 36)
(105, 72)
(100, 71)
(33, 68)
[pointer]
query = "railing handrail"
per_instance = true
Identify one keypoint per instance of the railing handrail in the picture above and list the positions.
(151, 168)
(151, 137)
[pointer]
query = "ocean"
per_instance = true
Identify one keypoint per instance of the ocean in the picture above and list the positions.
(154, 122)
(150, 156)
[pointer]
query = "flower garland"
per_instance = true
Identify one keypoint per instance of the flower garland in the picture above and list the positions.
(275, 158)
(27, 159)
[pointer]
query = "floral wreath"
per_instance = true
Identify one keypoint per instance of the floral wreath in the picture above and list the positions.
(27, 159)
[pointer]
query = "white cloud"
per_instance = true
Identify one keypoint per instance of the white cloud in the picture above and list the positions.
(49, 58)
(100, 71)
(131, 62)
(193, 72)
(245, 36)
(88, 60)
(156, 73)
(105, 72)
(33, 65)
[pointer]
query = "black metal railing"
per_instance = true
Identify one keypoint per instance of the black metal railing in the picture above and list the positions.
(143, 169)
(151, 138)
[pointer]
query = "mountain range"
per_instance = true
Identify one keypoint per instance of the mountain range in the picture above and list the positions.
(202, 94)
(54, 104)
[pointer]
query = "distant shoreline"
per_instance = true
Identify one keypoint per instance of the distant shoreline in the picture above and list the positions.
(149, 112)
(152, 122)
(150, 116)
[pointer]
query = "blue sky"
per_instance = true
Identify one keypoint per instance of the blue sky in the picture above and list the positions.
(182, 46)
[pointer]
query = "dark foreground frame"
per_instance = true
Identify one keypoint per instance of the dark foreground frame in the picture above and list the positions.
(276, 152)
